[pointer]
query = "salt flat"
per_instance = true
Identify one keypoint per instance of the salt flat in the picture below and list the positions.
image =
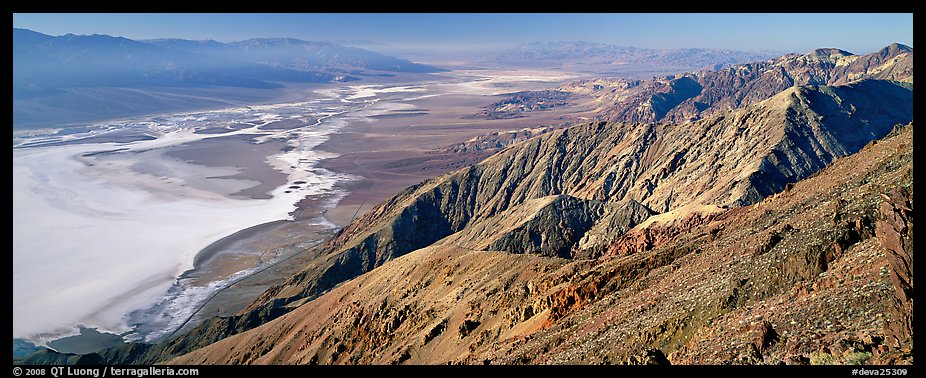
(109, 217)
(88, 253)
(104, 229)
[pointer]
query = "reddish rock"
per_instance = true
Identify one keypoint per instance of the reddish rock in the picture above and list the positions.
(895, 231)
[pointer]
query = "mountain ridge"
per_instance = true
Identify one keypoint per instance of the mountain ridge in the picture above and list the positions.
(37, 57)
(83, 78)
(689, 299)
(762, 80)
(680, 57)
(697, 94)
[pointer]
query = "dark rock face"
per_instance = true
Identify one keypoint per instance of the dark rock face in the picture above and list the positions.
(522, 102)
(553, 231)
(496, 141)
(620, 217)
(467, 327)
(649, 357)
(765, 336)
(677, 92)
(895, 231)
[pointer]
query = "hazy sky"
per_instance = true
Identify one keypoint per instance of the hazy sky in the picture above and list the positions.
(858, 33)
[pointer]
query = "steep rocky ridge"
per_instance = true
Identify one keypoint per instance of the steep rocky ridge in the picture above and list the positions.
(803, 276)
(762, 80)
(700, 94)
(728, 160)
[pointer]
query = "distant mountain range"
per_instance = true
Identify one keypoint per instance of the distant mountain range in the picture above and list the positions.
(693, 95)
(44, 64)
(588, 52)
(697, 94)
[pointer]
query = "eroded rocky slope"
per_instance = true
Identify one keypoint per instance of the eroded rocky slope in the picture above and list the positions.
(773, 143)
(808, 275)
(702, 93)
(728, 160)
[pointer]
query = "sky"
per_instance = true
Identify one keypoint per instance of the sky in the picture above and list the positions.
(859, 33)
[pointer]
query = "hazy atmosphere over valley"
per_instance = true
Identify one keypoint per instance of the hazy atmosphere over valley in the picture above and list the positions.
(472, 188)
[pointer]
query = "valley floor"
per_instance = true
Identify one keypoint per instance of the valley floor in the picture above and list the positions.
(399, 138)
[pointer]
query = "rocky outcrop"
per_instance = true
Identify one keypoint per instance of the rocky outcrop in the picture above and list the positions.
(619, 217)
(522, 102)
(498, 140)
(895, 231)
(642, 239)
(648, 357)
(549, 226)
